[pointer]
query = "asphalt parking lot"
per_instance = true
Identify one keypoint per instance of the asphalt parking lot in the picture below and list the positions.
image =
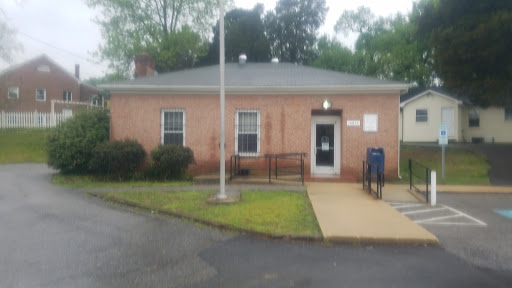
(475, 227)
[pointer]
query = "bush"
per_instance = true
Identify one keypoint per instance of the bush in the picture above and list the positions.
(171, 161)
(119, 159)
(70, 146)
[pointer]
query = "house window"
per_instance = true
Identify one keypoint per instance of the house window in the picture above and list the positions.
(40, 94)
(43, 68)
(474, 118)
(13, 92)
(247, 136)
(173, 126)
(66, 96)
(421, 115)
(508, 114)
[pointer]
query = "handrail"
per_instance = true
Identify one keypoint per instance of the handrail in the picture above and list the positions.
(286, 170)
(367, 178)
(426, 178)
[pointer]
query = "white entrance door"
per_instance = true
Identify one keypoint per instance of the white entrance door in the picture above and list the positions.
(448, 118)
(325, 145)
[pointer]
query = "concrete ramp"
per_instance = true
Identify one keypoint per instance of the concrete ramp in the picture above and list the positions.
(347, 213)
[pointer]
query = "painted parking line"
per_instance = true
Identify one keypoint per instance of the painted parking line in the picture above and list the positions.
(436, 215)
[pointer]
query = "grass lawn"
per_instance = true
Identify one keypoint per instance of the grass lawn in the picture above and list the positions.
(87, 181)
(462, 167)
(277, 212)
(23, 145)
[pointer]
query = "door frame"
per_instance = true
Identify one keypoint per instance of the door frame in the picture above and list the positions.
(451, 131)
(322, 170)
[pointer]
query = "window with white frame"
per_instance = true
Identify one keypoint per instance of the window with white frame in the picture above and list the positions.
(508, 114)
(247, 134)
(41, 94)
(43, 68)
(421, 115)
(67, 96)
(173, 126)
(474, 118)
(13, 92)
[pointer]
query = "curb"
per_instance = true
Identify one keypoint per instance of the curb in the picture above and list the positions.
(352, 240)
(383, 241)
(302, 238)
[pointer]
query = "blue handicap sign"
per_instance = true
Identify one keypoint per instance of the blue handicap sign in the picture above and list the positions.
(443, 132)
(503, 212)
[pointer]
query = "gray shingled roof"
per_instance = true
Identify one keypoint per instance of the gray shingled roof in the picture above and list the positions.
(256, 75)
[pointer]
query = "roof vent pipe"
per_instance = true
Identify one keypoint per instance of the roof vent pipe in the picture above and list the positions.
(242, 59)
(274, 60)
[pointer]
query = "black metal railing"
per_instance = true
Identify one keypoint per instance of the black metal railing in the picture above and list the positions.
(419, 176)
(279, 165)
(372, 172)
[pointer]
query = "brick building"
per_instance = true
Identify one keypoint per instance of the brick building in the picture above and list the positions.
(270, 108)
(35, 84)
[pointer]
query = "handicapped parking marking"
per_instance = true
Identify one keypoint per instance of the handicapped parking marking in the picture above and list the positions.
(503, 212)
(438, 215)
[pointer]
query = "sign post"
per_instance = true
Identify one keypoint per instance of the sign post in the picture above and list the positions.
(443, 141)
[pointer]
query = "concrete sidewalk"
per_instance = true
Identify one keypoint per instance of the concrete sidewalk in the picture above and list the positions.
(347, 213)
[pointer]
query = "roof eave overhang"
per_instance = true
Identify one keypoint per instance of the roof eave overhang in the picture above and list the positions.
(457, 101)
(244, 90)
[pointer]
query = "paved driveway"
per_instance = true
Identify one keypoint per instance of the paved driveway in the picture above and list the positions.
(57, 237)
(500, 159)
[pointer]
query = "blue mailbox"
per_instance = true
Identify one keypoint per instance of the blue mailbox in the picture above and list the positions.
(376, 157)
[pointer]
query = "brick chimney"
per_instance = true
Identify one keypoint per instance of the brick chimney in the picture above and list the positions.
(77, 71)
(144, 65)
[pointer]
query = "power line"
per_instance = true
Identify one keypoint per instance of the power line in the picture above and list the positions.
(62, 50)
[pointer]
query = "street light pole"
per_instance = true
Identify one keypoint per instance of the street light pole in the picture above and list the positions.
(222, 142)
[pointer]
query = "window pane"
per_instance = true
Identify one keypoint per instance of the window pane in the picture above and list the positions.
(421, 115)
(247, 122)
(474, 118)
(508, 113)
(13, 92)
(173, 127)
(173, 121)
(248, 143)
(173, 138)
(40, 94)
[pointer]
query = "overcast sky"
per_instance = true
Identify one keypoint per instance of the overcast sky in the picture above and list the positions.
(64, 30)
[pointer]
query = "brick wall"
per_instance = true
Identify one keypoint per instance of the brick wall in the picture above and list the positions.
(285, 124)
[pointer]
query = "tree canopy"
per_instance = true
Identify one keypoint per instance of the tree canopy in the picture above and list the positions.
(172, 32)
(291, 28)
(472, 44)
(9, 44)
(387, 47)
(244, 33)
(332, 55)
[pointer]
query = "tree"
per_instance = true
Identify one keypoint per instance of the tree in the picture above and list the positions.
(9, 45)
(172, 32)
(360, 20)
(244, 33)
(292, 28)
(387, 48)
(471, 43)
(332, 55)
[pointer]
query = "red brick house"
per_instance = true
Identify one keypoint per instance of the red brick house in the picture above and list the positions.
(35, 84)
(270, 108)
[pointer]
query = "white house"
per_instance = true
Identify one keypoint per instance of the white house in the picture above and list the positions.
(421, 113)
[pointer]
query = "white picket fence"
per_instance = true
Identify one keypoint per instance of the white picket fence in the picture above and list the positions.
(30, 119)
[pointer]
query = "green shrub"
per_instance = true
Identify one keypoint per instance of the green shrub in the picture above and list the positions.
(119, 159)
(70, 146)
(170, 161)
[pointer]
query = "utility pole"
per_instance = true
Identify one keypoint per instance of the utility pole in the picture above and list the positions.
(222, 142)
